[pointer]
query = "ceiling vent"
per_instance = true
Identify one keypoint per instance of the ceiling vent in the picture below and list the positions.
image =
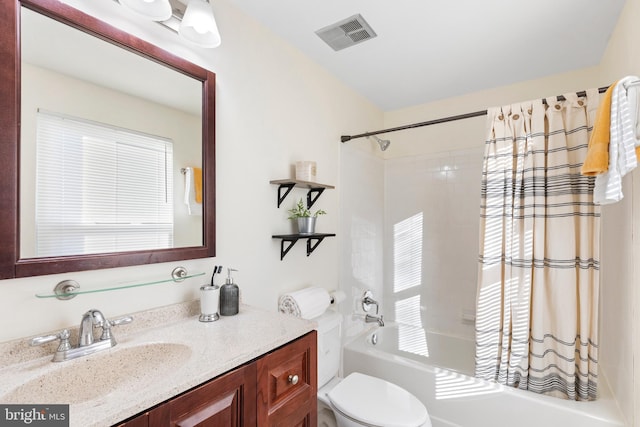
(346, 33)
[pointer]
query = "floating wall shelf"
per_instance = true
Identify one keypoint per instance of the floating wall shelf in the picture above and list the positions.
(287, 241)
(291, 239)
(286, 185)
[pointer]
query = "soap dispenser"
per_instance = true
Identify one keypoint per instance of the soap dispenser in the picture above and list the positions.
(229, 296)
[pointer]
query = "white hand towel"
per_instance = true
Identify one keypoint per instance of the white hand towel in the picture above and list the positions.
(622, 156)
(193, 207)
(306, 303)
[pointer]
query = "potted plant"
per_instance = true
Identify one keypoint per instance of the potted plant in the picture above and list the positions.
(306, 221)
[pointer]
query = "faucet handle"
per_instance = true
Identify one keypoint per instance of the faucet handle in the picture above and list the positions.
(121, 321)
(107, 324)
(63, 336)
(368, 301)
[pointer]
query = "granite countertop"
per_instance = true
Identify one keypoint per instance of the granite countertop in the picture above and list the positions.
(150, 364)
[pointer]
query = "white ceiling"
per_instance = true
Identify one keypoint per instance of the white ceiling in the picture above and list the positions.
(430, 50)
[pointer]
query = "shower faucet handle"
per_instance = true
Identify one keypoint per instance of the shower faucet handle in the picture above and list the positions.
(368, 301)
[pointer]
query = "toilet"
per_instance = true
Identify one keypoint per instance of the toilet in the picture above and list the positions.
(358, 399)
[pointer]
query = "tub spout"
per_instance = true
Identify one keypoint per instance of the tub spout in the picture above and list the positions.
(371, 319)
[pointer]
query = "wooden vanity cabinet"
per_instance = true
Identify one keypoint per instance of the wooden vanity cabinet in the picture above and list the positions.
(287, 385)
(141, 420)
(227, 401)
(276, 390)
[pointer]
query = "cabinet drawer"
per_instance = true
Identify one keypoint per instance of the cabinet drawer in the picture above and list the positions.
(287, 383)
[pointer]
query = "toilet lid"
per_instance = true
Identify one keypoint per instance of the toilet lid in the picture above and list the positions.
(376, 402)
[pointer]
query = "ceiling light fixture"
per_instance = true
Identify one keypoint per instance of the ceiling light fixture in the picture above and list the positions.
(199, 25)
(193, 20)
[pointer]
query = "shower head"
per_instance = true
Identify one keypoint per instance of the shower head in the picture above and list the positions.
(383, 143)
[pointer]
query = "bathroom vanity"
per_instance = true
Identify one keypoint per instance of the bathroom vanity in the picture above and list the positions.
(257, 368)
(278, 388)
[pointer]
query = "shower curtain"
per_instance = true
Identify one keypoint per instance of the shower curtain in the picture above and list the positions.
(537, 301)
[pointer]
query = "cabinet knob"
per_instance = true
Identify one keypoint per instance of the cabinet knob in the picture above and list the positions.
(293, 379)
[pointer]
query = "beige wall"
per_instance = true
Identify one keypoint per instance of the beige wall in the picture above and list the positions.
(274, 107)
(469, 133)
(623, 58)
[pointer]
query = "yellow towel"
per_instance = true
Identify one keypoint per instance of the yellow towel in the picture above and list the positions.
(597, 160)
(197, 183)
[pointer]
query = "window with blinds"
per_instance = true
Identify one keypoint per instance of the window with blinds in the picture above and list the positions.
(100, 188)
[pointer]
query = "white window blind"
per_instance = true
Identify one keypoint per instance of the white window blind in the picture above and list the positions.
(101, 188)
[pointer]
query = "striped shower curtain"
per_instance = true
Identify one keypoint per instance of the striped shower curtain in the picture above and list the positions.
(537, 302)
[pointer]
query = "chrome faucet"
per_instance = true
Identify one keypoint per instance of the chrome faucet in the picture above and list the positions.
(371, 319)
(367, 302)
(87, 344)
(93, 318)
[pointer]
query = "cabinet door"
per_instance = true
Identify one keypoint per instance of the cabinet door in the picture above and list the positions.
(287, 385)
(227, 401)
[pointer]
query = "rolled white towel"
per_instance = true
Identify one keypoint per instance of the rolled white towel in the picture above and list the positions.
(306, 303)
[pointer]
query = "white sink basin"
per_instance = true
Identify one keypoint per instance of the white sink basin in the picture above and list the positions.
(99, 374)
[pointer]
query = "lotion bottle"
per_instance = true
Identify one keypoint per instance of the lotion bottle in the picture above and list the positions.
(229, 296)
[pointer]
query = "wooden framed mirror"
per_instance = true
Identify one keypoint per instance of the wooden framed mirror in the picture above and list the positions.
(16, 169)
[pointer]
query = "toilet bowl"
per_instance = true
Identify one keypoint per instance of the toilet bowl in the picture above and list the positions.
(358, 399)
(326, 417)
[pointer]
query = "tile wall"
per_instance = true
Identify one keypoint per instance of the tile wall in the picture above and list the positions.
(361, 225)
(431, 240)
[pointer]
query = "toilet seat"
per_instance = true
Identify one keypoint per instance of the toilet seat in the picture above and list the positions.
(375, 402)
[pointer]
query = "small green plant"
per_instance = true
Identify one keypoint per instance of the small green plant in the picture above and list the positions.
(301, 211)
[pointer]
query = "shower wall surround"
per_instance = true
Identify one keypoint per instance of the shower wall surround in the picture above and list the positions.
(362, 224)
(431, 240)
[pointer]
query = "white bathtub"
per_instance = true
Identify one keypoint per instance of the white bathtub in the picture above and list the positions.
(438, 370)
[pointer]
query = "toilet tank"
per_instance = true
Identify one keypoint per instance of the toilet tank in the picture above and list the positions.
(329, 328)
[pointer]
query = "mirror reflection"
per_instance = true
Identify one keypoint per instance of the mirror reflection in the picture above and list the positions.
(106, 137)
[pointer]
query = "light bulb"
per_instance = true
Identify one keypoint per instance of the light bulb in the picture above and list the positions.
(199, 25)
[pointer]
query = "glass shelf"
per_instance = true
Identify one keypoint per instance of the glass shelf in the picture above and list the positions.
(60, 294)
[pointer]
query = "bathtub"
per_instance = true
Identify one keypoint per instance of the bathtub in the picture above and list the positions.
(438, 370)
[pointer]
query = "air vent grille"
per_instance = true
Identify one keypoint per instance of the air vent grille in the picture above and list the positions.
(352, 25)
(359, 36)
(346, 33)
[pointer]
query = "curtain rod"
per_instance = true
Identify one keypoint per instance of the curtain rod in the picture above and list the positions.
(345, 138)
